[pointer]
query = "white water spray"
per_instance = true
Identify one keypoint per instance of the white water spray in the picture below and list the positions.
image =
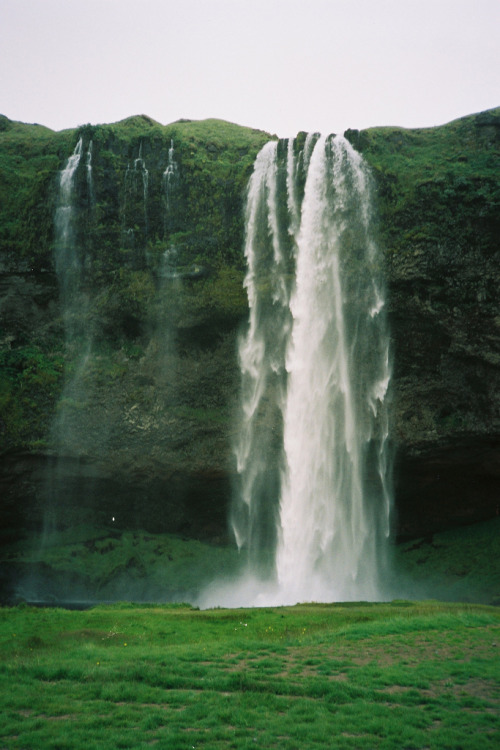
(322, 523)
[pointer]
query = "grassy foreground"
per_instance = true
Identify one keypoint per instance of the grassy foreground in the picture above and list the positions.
(398, 675)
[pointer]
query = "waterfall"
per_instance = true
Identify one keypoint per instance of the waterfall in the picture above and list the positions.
(261, 357)
(312, 507)
(90, 182)
(334, 507)
(291, 177)
(170, 176)
(170, 182)
(140, 166)
(135, 207)
(67, 256)
(71, 261)
(67, 260)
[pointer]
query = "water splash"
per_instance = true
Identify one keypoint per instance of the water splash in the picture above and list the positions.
(313, 503)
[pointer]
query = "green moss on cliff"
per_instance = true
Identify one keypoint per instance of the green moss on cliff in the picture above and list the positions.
(150, 260)
(30, 383)
(160, 296)
(28, 163)
(437, 184)
(214, 159)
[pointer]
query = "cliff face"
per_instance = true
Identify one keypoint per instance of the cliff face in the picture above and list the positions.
(117, 399)
(439, 205)
(446, 331)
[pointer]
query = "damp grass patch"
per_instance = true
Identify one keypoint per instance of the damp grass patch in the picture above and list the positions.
(391, 675)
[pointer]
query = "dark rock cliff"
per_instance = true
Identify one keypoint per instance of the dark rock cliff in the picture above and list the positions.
(132, 417)
(442, 233)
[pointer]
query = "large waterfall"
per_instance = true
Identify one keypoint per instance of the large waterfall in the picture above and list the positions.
(312, 509)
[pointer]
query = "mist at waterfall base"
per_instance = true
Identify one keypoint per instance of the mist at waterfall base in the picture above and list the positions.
(311, 513)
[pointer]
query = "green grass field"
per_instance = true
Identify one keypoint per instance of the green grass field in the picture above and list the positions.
(398, 675)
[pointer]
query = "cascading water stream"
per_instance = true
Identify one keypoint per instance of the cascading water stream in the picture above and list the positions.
(90, 181)
(71, 262)
(135, 207)
(70, 255)
(334, 499)
(313, 503)
(261, 357)
(170, 183)
(170, 175)
(67, 262)
(140, 165)
(292, 200)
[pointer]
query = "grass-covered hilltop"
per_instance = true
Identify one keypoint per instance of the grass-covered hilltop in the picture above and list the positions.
(119, 374)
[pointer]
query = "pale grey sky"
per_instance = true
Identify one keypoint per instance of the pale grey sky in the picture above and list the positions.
(278, 65)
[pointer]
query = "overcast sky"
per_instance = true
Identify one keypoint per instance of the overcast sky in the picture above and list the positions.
(278, 65)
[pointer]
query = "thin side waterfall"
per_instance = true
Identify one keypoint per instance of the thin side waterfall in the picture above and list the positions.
(140, 166)
(135, 207)
(70, 255)
(69, 264)
(312, 507)
(90, 181)
(170, 175)
(170, 183)
(67, 261)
